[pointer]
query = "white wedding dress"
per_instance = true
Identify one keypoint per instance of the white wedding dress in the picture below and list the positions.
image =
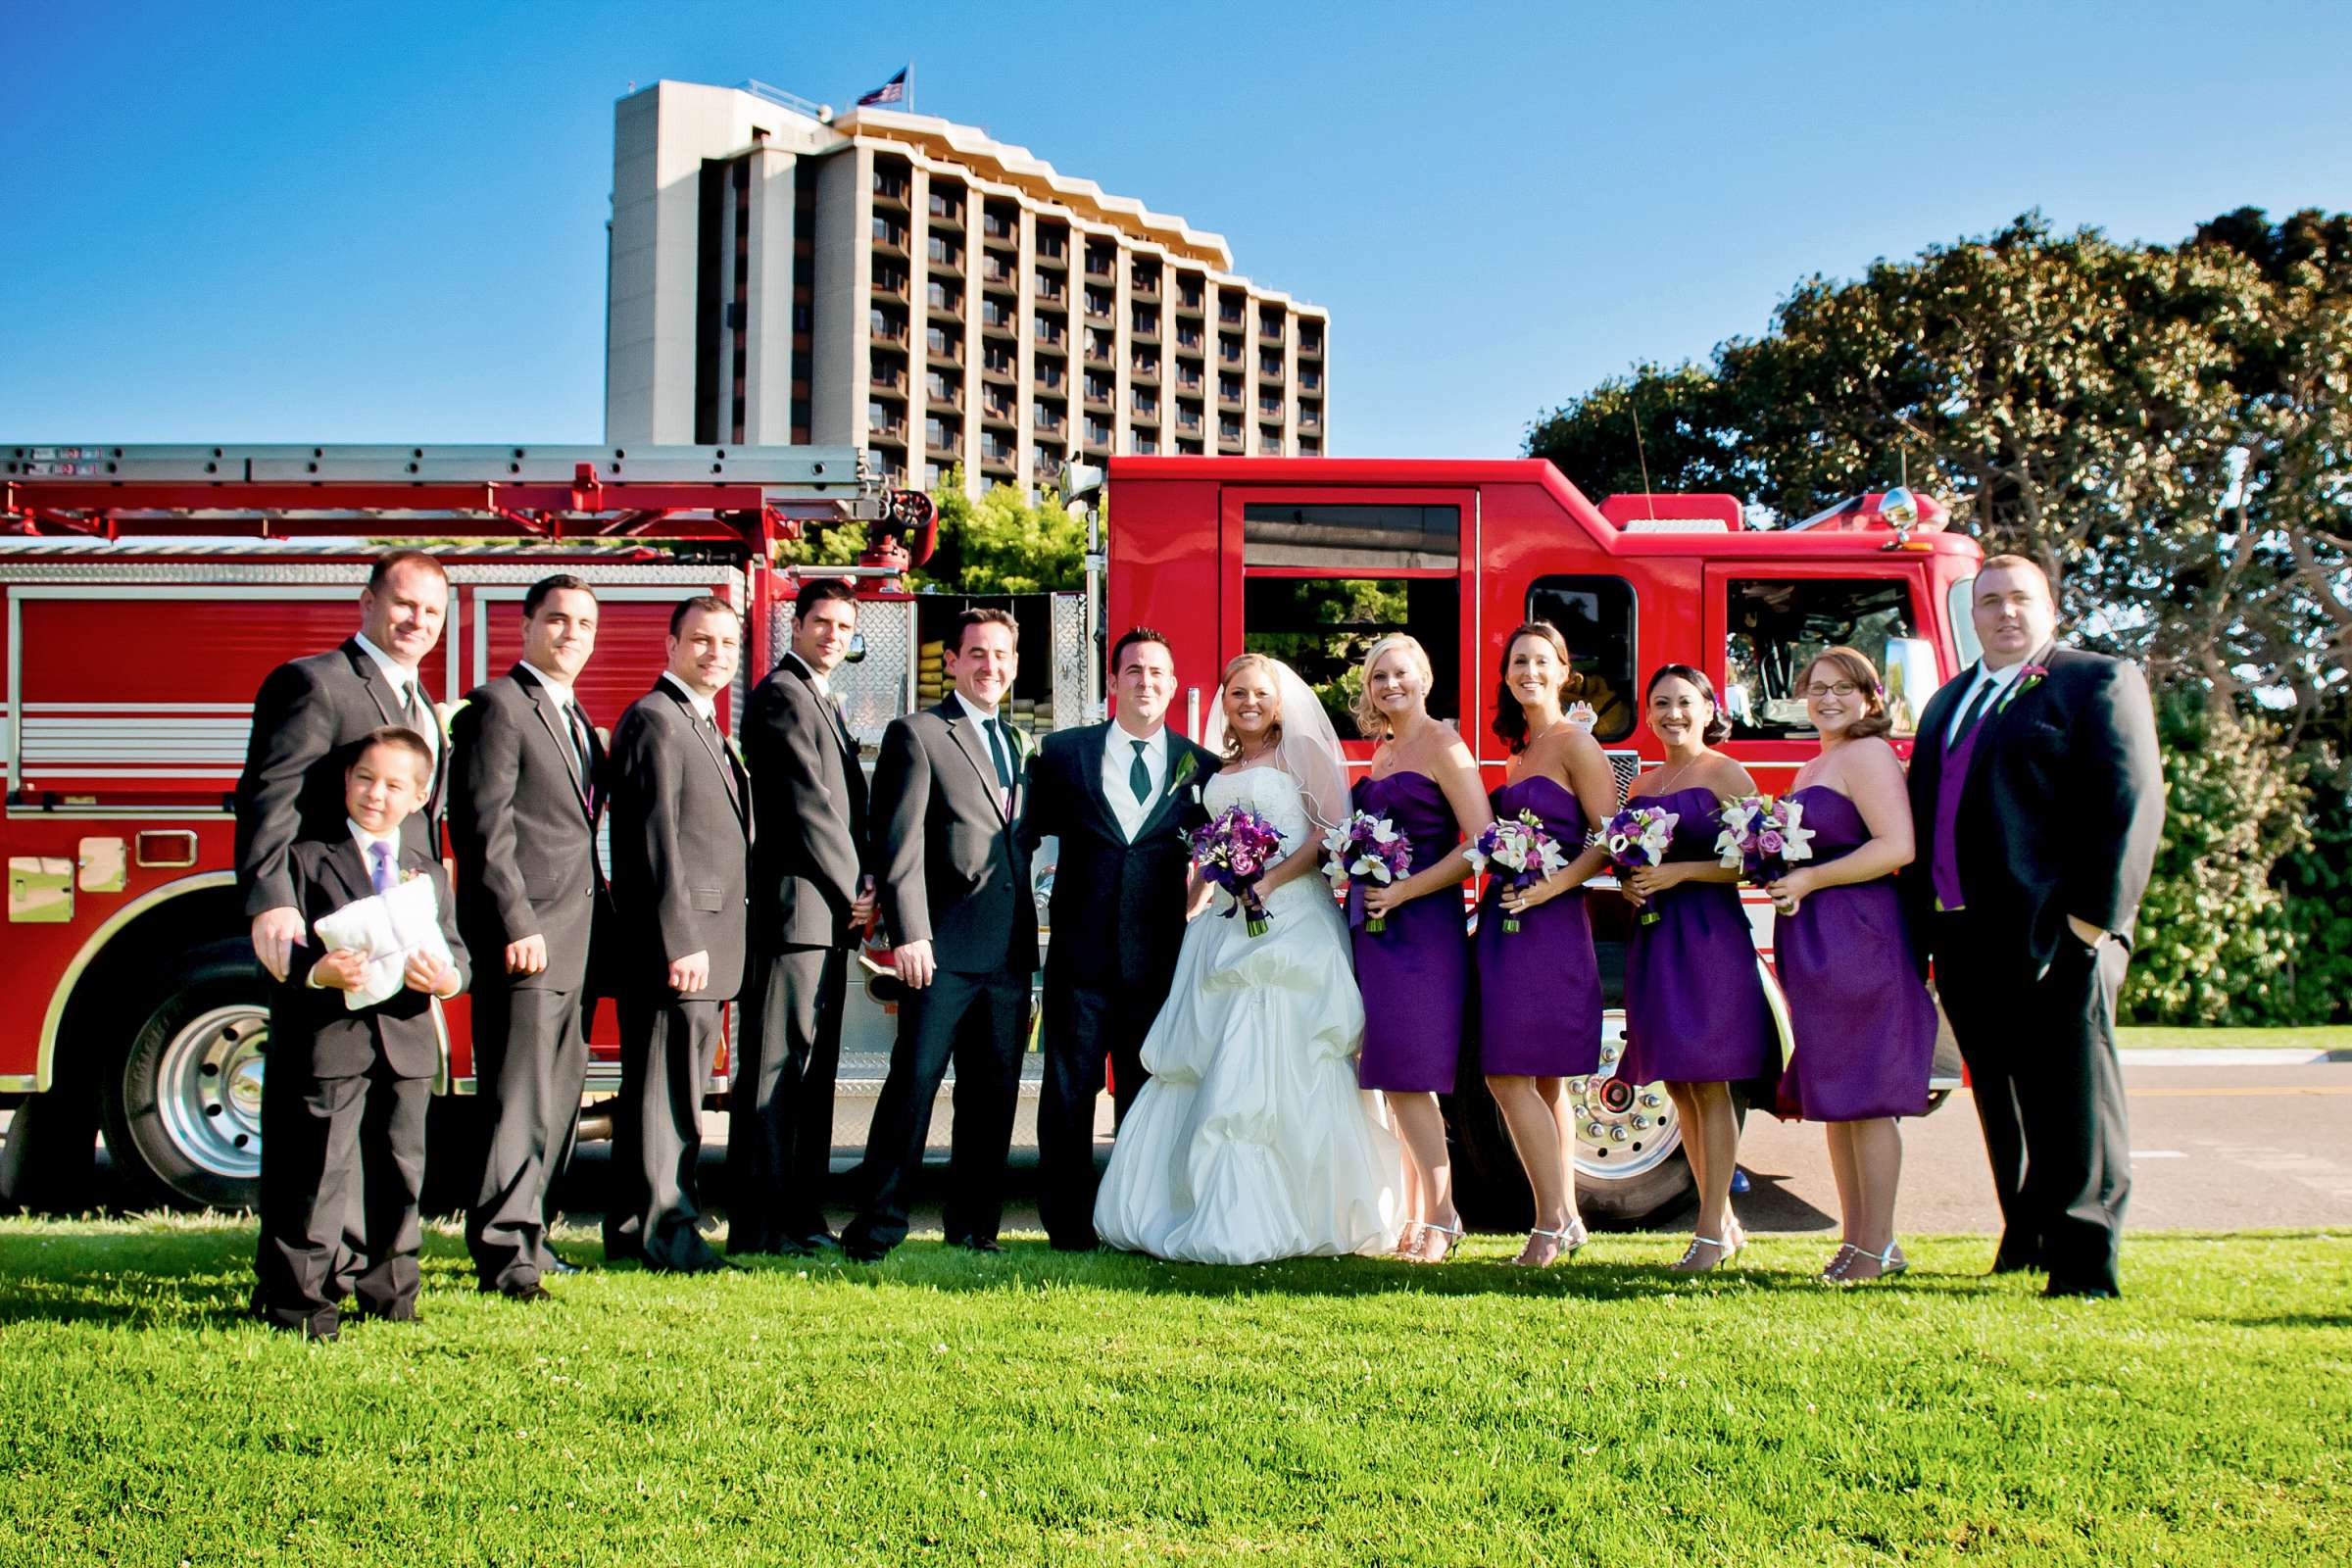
(1251, 1141)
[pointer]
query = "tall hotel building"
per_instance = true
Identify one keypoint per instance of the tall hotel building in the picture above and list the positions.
(899, 284)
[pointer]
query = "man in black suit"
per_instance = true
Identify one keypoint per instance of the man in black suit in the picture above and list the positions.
(955, 892)
(343, 1103)
(682, 819)
(2038, 798)
(1119, 797)
(813, 898)
(306, 720)
(523, 811)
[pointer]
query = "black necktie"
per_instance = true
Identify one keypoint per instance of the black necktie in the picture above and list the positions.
(718, 748)
(1139, 774)
(996, 749)
(412, 709)
(1974, 713)
(581, 755)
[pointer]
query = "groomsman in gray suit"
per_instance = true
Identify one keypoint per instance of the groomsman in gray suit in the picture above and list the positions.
(955, 892)
(682, 831)
(523, 817)
(812, 900)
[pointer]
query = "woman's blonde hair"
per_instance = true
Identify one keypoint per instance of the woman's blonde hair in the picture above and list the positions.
(1368, 718)
(1231, 747)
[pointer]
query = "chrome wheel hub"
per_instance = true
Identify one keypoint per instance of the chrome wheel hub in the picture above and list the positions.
(1622, 1129)
(207, 1091)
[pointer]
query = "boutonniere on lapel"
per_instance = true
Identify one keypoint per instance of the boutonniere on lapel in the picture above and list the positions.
(736, 751)
(2027, 678)
(411, 874)
(446, 713)
(1186, 766)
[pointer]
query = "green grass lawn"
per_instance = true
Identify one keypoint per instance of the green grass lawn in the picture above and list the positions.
(1037, 1408)
(2150, 1037)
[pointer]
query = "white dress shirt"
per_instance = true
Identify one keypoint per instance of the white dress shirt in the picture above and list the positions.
(1998, 681)
(404, 681)
(1118, 763)
(706, 707)
(560, 691)
(983, 718)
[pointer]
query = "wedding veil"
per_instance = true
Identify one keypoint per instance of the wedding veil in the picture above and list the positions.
(1309, 752)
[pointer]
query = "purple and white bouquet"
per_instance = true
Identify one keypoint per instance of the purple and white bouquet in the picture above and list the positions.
(1367, 846)
(1640, 836)
(1762, 837)
(1232, 850)
(1522, 852)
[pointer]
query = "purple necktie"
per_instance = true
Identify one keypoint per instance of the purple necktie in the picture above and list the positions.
(1944, 866)
(379, 856)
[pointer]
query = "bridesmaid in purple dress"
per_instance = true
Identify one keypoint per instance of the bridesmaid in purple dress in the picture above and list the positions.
(1415, 974)
(1540, 986)
(1695, 1009)
(1865, 1028)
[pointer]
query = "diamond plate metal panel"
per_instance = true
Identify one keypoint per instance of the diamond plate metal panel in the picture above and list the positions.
(879, 687)
(1071, 656)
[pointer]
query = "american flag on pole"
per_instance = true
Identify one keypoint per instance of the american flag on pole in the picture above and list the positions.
(890, 92)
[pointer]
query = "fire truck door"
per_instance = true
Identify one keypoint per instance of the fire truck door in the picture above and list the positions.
(1314, 575)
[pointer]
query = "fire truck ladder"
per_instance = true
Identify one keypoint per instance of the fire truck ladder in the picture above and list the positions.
(754, 495)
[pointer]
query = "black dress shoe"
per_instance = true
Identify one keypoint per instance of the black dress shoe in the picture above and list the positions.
(2059, 1289)
(820, 1241)
(975, 1243)
(533, 1292)
(406, 1313)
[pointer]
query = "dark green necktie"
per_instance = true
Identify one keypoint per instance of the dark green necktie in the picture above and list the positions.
(1138, 776)
(996, 749)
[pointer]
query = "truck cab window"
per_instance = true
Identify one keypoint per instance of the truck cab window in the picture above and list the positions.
(1775, 628)
(1595, 617)
(1322, 624)
(1322, 627)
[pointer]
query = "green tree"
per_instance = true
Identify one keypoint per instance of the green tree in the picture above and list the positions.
(2168, 430)
(1002, 543)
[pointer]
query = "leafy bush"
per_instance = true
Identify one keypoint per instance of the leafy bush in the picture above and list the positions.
(2215, 941)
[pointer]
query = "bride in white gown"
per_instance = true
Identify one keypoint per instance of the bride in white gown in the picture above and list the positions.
(1251, 1140)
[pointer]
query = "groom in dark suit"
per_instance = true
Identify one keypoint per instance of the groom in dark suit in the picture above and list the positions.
(954, 886)
(1119, 797)
(2037, 797)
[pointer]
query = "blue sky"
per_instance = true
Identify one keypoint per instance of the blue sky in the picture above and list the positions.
(328, 222)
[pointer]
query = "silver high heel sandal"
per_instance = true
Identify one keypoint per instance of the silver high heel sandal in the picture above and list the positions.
(1570, 1239)
(1688, 1262)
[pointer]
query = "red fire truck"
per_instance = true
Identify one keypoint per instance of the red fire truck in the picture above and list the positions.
(1312, 558)
(148, 590)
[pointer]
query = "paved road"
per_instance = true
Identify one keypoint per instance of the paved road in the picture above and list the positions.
(2213, 1148)
(2253, 1142)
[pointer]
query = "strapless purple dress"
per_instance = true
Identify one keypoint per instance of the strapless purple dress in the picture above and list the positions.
(1538, 987)
(1415, 974)
(1694, 1008)
(1865, 1028)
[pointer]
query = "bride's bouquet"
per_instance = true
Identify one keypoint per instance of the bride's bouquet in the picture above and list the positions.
(1522, 850)
(1763, 837)
(1232, 850)
(1367, 846)
(1640, 836)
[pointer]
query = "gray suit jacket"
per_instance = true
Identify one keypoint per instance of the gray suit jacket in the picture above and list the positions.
(950, 867)
(681, 835)
(523, 826)
(810, 791)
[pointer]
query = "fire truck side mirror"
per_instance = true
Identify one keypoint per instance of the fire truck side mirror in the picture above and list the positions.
(856, 652)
